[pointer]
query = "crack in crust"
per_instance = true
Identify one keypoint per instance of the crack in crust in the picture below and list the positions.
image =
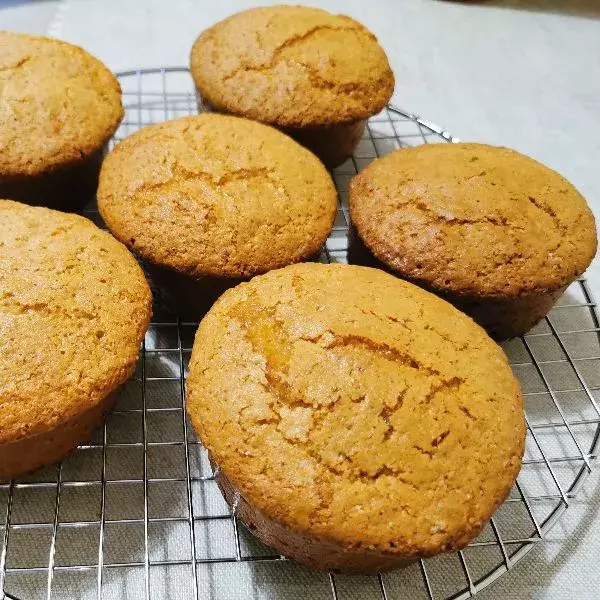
(20, 63)
(558, 224)
(499, 221)
(15, 307)
(275, 346)
(289, 43)
(181, 174)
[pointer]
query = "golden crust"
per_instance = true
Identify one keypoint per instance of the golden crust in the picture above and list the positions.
(292, 66)
(216, 195)
(357, 408)
(74, 306)
(59, 105)
(473, 220)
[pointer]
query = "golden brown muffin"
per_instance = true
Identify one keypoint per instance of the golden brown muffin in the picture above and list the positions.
(316, 75)
(59, 107)
(495, 232)
(356, 421)
(74, 306)
(216, 198)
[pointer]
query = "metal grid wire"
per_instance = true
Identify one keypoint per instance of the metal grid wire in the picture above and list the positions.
(136, 512)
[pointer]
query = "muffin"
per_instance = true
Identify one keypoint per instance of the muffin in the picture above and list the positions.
(211, 199)
(356, 422)
(496, 233)
(74, 306)
(59, 107)
(315, 75)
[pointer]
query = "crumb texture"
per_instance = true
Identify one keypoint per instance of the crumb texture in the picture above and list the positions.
(74, 306)
(347, 404)
(292, 66)
(217, 195)
(473, 219)
(59, 104)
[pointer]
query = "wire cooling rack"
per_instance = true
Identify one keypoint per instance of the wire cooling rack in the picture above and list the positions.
(136, 514)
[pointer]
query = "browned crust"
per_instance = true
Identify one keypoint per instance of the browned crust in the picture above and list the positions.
(61, 105)
(74, 307)
(340, 401)
(292, 66)
(219, 196)
(507, 318)
(502, 318)
(473, 221)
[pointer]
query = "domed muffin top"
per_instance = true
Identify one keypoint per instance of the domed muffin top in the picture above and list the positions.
(217, 195)
(343, 401)
(74, 307)
(59, 104)
(292, 66)
(473, 219)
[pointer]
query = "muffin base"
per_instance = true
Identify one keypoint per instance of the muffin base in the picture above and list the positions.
(332, 144)
(67, 188)
(502, 318)
(506, 318)
(29, 454)
(187, 296)
(318, 554)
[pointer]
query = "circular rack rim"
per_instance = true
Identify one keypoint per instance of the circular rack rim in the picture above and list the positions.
(585, 469)
(565, 495)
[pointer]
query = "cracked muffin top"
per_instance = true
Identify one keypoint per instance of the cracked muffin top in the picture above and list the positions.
(342, 401)
(59, 104)
(74, 307)
(473, 220)
(216, 195)
(292, 66)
